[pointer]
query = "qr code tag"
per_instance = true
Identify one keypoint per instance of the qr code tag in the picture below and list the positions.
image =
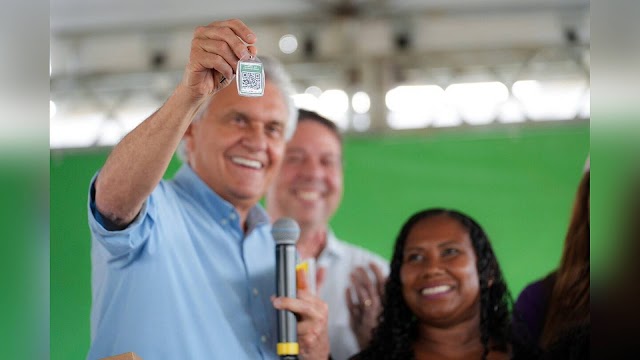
(250, 77)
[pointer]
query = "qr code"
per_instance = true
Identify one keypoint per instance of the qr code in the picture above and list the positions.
(251, 81)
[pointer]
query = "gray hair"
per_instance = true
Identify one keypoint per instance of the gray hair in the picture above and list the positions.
(277, 75)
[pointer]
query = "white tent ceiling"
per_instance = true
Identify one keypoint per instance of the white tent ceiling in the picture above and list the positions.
(104, 53)
(73, 16)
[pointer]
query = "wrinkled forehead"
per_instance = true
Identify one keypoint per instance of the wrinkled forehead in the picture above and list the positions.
(315, 137)
(272, 104)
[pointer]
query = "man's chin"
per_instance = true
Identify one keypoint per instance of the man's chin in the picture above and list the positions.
(248, 196)
(307, 220)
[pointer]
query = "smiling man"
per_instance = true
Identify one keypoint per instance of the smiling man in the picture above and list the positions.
(181, 267)
(309, 189)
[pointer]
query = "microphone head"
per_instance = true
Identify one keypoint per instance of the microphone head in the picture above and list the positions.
(285, 231)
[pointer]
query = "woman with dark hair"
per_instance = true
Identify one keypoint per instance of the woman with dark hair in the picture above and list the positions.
(556, 309)
(445, 296)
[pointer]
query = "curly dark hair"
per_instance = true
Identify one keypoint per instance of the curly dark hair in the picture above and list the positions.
(397, 330)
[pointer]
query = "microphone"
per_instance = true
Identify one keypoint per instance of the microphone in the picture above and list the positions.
(285, 232)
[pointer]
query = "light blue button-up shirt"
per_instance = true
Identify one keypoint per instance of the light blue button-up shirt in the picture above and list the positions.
(183, 281)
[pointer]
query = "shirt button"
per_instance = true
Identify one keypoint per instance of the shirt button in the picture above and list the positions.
(223, 221)
(255, 292)
(232, 216)
(263, 339)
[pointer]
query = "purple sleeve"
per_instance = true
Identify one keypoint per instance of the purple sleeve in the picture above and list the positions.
(531, 308)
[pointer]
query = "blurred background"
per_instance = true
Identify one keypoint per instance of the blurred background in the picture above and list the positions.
(479, 106)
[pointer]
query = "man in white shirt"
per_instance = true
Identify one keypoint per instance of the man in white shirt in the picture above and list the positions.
(309, 189)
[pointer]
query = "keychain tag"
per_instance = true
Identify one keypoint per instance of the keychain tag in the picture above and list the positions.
(250, 77)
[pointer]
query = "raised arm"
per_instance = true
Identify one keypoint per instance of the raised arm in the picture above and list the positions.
(136, 165)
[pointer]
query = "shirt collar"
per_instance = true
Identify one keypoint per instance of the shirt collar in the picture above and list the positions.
(257, 216)
(333, 249)
(221, 210)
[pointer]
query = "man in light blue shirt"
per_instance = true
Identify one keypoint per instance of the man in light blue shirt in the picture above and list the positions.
(185, 268)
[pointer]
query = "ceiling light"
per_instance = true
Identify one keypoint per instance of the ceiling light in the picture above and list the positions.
(288, 44)
(360, 102)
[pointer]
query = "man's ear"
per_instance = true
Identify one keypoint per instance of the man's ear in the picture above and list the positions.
(189, 131)
(185, 147)
(187, 138)
(490, 282)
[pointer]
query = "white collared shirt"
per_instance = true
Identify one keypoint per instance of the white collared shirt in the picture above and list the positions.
(340, 258)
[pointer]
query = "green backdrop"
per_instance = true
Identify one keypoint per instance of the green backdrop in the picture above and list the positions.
(517, 181)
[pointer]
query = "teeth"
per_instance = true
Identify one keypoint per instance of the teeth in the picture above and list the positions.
(247, 162)
(436, 290)
(309, 195)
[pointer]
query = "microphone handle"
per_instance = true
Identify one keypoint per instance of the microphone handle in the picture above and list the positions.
(286, 286)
